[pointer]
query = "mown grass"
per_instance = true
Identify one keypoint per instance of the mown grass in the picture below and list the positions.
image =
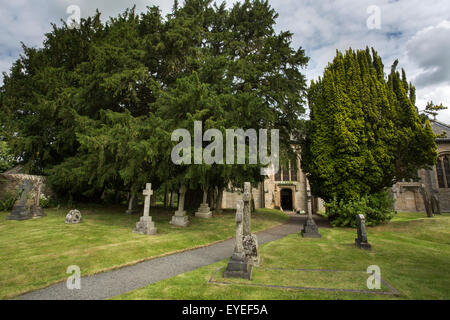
(37, 253)
(412, 251)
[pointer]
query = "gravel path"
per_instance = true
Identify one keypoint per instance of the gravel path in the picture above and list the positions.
(109, 284)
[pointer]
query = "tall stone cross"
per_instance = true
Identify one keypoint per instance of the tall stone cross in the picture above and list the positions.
(148, 192)
(146, 225)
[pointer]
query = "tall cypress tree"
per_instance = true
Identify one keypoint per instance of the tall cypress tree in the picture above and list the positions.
(364, 132)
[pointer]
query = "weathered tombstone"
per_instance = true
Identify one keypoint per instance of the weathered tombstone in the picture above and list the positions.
(204, 211)
(436, 204)
(239, 266)
(427, 202)
(250, 240)
(20, 210)
(132, 204)
(36, 210)
(74, 217)
(310, 229)
(180, 218)
(146, 226)
(361, 241)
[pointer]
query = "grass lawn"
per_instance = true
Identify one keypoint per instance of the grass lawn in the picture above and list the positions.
(36, 253)
(413, 253)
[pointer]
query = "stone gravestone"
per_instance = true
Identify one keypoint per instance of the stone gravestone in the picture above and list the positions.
(36, 210)
(250, 240)
(239, 266)
(361, 241)
(20, 210)
(436, 204)
(146, 226)
(310, 229)
(74, 217)
(204, 211)
(180, 218)
(427, 202)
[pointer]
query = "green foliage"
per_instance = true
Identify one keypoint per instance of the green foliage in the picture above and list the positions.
(377, 209)
(98, 104)
(364, 132)
(8, 201)
(433, 110)
(6, 157)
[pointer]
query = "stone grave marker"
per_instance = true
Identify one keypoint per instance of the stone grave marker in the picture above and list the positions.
(250, 241)
(74, 217)
(310, 229)
(361, 241)
(180, 218)
(20, 210)
(36, 210)
(239, 266)
(146, 226)
(204, 211)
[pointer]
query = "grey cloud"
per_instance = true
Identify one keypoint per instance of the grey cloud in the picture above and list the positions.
(429, 49)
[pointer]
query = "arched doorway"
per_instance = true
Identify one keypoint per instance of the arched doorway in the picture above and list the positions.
(287, 200)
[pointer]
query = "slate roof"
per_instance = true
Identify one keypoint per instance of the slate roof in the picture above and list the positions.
(440, 128)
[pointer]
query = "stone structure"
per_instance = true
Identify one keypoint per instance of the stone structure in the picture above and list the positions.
(180, 218)
(310, 229)
(436, 181)
(239, 266)
(74, 217)
(250, 241)
(361, 241)
(146, 226)
(204, 211)
(36, 210)
(20, 210)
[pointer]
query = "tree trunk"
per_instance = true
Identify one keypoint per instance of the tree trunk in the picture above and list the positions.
(219, 200)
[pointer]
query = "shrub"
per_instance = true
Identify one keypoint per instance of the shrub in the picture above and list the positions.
(45, 202)
(7, 203)
(377, 208)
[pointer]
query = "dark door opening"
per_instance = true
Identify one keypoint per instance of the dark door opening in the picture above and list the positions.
(286, 200)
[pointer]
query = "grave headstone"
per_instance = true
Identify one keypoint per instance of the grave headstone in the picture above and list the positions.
(20, 210)
(310, 229)
(146, 226)
(250, 241)
(180, 218)
(74, 217)
(204, 211)
(436, 204)
(36, 210)
(239, 266)
(361, 241)
(427, 202)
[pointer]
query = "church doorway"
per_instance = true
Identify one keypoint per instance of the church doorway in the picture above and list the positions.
(287, 200)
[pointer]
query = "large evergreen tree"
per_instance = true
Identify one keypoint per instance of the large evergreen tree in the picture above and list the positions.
(364, 132)
(95, 108)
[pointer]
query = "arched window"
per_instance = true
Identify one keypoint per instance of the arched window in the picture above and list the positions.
(443, 171)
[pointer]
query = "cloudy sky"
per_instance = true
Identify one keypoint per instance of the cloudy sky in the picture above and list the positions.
(416, 32)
